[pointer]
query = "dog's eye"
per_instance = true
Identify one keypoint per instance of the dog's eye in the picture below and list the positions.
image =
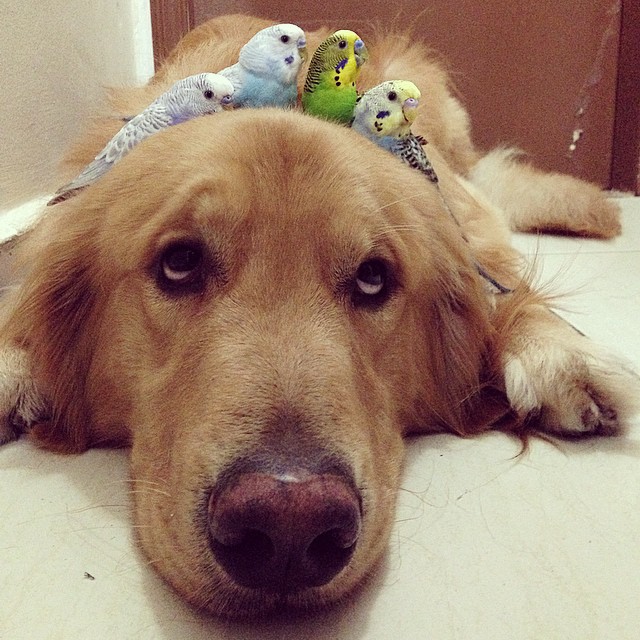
(181, 266)
(371, 278)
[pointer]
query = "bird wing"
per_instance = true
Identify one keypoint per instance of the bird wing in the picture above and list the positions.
(409, 149)
(152, 120)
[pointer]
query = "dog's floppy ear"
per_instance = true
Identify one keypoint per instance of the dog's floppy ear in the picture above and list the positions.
(463, 387)
(51, 322)
(463, 364)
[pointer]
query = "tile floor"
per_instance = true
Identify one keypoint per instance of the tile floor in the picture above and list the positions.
(486, 546)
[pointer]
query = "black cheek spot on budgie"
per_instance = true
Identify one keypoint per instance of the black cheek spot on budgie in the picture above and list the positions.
(338, 84)
(383, 114)
(337, 78)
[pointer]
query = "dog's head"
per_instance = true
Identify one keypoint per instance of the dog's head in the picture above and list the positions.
(262, 305)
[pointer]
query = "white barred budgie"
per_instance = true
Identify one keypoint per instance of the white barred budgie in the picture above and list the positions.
(188, 98)
(385, 114)
(266, 74)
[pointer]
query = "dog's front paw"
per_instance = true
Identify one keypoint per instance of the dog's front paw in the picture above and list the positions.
(570, 387)
(21, 404)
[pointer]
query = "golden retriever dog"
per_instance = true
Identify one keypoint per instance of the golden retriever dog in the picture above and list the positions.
(262, 305)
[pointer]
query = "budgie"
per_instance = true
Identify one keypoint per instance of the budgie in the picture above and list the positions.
(266, 73)
(188, 98)
(385, 114)
(330, 86)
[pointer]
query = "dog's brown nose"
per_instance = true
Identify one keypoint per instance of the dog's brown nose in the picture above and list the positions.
(284, 532)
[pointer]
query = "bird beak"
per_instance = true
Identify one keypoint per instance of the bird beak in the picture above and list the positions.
(410, 109)
(360, 52)
(227, 102)
(302, 50)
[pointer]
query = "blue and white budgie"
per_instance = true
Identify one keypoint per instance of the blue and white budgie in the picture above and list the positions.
(266, 74)
(385, 114)
(188, 98)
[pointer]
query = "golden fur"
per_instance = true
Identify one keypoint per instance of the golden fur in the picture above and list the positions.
(273, 343)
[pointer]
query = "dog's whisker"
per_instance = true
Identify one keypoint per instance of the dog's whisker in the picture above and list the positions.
(152, 562)
(413, 196)
(144, 480)
(422, 497)
(150, 490)
(97, 506)
(102, 527)
(392, 229)
(408, 519)
(413, 492)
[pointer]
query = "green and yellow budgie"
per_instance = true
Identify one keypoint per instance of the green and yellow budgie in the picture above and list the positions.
(330, 87)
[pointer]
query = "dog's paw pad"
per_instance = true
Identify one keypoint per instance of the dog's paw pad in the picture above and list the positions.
(577, 414)
(598, 419)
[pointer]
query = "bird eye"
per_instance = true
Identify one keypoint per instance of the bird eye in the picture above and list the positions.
(371, 279)
(342, 44)
(180, 267)
(208, 94)
(392, 95)
(284, 39)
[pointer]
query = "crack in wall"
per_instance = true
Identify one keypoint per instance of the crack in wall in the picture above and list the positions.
(594, 77)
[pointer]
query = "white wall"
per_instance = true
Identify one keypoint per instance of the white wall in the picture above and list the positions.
(55, 57)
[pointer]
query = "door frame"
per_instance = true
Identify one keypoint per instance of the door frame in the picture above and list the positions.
(625, 161)
(170, 20)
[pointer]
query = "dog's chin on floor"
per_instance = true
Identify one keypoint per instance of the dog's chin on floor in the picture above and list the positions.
(263, 305)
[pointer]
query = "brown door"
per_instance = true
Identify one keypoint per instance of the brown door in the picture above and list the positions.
(541, 75)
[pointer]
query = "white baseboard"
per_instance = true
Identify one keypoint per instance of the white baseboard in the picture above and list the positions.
(14, 222)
